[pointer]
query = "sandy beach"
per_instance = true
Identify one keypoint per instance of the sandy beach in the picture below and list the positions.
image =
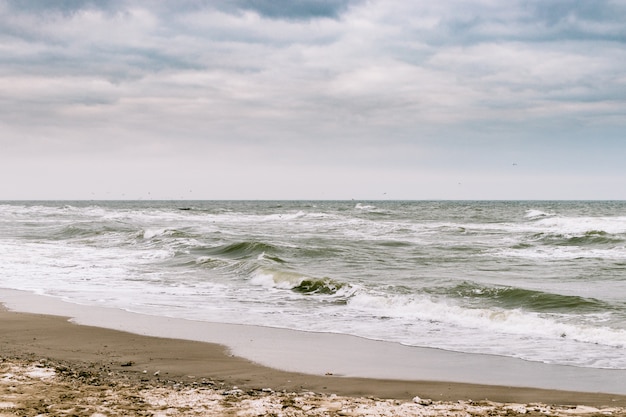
(50, 366)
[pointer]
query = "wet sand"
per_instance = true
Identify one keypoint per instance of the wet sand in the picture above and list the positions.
(322, 354)
(166, 371)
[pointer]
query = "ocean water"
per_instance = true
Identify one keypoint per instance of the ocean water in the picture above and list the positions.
(542, 281)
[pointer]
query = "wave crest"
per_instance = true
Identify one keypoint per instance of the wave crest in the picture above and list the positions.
(531, 300)
(537, 214)
(243, 249)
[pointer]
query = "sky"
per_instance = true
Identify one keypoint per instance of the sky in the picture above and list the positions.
(305, 99)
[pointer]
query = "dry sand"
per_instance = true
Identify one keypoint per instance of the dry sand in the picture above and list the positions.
(49, 366)
(46, 388)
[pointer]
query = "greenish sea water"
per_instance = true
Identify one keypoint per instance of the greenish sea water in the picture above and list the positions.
(543, 281)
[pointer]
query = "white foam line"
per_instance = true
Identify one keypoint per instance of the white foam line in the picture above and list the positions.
(342, 355)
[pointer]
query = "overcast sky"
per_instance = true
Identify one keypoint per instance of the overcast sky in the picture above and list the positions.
(305, 99)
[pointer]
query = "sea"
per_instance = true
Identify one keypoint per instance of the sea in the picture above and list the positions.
(544, 281)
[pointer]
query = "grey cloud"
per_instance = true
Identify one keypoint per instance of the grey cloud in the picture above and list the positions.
(275, 9)
(579, 20)
(529, 21)
(43, 43)
(66, 7)
(113, 64)
(555, 12)
(252, 68)
(297, 9)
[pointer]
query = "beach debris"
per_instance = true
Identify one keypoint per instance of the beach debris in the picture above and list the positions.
(129, 363)
(50, 391)
(422, 401)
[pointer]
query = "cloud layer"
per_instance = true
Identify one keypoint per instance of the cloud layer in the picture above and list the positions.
(351, 97)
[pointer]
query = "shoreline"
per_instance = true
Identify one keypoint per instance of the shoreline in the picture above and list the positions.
(147, 359)
(328, 353)
(34, 336)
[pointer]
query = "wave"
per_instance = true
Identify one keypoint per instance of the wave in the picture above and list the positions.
(241, 250)
(286, 216)
(372, 210)
(425, 311)
(366, 207)
(529, 300)
(84, 230)
(590, 237)
(209, 262)
(73, 231)
(537, 214)
(560, 253)
(236, 259)
(566, 238)
(582, 225)
(166, 232)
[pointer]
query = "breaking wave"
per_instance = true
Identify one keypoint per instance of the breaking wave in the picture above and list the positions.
(525, 299)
